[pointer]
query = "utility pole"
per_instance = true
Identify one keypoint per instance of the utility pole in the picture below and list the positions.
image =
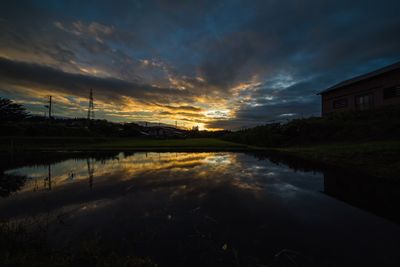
(49, 106)
(90, 166)
(90, 114)
(47, 180)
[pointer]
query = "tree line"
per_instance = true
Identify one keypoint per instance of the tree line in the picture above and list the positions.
(16, 121)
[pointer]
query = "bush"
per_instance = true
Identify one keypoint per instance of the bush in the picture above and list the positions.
(380, 124)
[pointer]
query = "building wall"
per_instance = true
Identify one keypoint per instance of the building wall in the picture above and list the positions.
(344, 98)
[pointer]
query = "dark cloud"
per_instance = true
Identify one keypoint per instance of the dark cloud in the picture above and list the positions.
(186, 114)
(268, 113)
(290, 49)
(305, 38)
(226, 60)
(107, 89)
(185, 108)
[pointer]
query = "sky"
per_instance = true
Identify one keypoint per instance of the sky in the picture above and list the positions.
(225, 64)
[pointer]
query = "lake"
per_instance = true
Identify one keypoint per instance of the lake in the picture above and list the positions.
(207, 209)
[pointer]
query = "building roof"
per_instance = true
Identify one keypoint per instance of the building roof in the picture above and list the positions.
(362, 77)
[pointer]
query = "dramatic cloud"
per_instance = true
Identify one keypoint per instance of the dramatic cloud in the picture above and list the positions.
(218, 64)
(36, 76)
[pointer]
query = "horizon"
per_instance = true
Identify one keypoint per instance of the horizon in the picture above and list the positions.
(215, 64)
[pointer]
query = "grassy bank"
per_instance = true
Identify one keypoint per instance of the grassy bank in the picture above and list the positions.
(381, 159)
(24, 144)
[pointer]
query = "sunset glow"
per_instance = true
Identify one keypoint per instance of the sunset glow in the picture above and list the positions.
(216, 65)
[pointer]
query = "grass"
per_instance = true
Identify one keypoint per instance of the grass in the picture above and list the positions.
(22, 246)
(170, 143)
(111, 144)
(381, 159)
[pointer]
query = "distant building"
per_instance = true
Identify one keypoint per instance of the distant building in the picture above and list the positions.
(372, 90)
(163, 132)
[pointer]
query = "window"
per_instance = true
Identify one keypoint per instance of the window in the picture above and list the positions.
(364, 102)
(340, 103)
(391, 92)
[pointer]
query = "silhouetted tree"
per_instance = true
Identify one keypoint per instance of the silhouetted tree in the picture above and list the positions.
(10, 111)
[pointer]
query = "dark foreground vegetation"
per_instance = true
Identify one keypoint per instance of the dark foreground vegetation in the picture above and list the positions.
(17, 145)
(365, 126)
(24, 243)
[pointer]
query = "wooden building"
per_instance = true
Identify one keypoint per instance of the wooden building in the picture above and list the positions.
(372, 90)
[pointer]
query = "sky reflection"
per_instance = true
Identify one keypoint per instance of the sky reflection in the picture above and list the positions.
(243, 172)
(180, 209)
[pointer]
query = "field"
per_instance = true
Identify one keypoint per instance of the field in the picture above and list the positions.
(381, 159)
(111, 144)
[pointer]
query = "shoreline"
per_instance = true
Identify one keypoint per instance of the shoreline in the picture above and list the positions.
(15, 146)
(380, 159)
(377, 158)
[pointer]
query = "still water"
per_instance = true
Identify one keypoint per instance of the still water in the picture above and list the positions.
(210, 209)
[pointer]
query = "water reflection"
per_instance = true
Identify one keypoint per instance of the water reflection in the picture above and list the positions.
(126, 167)
(377, 195)
(210, 209)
